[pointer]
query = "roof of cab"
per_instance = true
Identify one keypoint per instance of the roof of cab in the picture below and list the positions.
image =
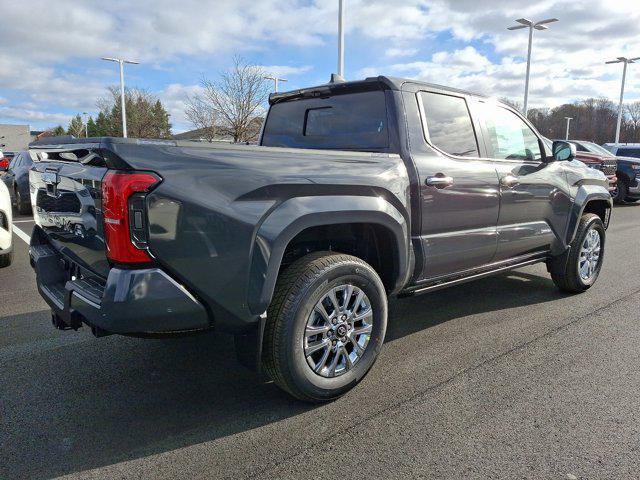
(381, 81)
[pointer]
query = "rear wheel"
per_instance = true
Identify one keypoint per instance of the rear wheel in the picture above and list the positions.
(6, 259)
(577, 270)
(24, 207)
(325, 326)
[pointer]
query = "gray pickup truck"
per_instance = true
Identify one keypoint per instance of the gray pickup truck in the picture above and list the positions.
(358, 191)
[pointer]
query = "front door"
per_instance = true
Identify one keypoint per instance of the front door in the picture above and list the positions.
(533, 191)
(458, 188)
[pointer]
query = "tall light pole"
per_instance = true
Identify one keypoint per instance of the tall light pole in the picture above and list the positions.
(276, 80)
(341, 38)
(86, 126)
(568, 119)
(524, 23)
(122, 61)
(625, 61)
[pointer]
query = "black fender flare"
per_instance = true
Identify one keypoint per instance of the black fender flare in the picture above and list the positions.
(294, 215)
(587, 193)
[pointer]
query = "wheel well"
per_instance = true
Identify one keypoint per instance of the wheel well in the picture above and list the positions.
(599, 207)
(373, 243)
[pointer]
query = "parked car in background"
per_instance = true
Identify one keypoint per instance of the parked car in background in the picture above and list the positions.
(6, 233)
(623, 149)
(603, 161)
(16, 178)
(357, 191)
(627, 172)
(5, 158)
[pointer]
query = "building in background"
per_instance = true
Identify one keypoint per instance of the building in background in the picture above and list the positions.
(14, 138)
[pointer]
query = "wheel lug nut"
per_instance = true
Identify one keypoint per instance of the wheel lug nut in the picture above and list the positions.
(334, 321)
(343, 318)
(334, 343)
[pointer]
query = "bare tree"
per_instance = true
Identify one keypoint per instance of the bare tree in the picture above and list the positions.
(202, 116)
(235, 101)
(633, 111)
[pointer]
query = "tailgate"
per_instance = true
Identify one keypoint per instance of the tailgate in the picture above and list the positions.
(66, 195)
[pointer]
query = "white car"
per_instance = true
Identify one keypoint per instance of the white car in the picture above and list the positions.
(6, 234)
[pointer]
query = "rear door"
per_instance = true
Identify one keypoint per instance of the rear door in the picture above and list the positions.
(458, 187)
(534, 198)
(67, 188)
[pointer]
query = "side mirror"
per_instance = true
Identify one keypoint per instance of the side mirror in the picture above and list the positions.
(563, 151)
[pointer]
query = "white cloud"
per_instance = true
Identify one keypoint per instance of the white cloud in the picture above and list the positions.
(285, 70)
(400, 52)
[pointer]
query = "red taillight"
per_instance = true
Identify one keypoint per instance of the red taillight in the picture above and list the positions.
(117, 189)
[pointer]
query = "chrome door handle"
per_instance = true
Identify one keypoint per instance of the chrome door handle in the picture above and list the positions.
(509, 181)
(439, 181)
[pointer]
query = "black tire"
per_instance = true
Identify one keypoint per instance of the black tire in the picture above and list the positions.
(298, 289)
(6, 259)
(24, 208)
(564, 268)
(620, 193)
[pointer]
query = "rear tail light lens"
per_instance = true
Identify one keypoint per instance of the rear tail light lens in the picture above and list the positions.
(124, 216)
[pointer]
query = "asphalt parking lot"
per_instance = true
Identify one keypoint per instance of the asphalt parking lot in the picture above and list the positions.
(501, 378)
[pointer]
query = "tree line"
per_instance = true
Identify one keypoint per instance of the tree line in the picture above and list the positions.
(146, 117)
(592, 119)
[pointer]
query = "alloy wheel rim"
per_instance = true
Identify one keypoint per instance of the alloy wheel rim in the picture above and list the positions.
(338, 331)
(589, 255)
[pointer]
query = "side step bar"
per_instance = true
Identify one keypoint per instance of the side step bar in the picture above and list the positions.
(456, 281)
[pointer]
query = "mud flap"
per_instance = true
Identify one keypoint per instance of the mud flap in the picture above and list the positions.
(249, 346)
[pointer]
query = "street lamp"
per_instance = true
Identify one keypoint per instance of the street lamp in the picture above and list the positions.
(122, 61)
(524, 23)
(568, 119)
(275, 81)
(625, 61)
(86, 127)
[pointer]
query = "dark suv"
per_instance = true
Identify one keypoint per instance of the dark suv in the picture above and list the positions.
(16, 178)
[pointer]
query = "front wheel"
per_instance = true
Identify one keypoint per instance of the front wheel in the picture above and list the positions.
(325, 326)
(577, 269)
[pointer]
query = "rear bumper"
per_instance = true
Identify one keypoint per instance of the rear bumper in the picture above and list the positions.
(145, 301)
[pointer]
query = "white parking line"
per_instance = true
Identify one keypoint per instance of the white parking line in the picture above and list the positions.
(23, 236)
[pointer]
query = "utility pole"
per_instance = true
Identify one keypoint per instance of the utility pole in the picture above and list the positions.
(86, 127)
(625, 61)
(341, 38)
(122, 61)
(566, 137)
(275, 81)
(524, 23)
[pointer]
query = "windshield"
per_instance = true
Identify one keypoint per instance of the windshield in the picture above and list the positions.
(595, 148)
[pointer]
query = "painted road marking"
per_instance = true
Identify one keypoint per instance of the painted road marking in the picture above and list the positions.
(23, 221)
(23, 236)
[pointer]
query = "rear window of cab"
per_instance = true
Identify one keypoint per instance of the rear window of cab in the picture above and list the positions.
(351, 121)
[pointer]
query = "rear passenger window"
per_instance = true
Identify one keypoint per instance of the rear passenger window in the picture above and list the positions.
(448, 124)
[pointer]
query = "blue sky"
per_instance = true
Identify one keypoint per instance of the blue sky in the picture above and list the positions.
(51, 70)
